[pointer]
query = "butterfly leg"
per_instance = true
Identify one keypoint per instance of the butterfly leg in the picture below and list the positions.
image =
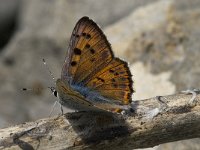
(61, 109)
(53, 108)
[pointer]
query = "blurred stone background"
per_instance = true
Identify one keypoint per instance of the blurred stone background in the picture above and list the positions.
(160, 39)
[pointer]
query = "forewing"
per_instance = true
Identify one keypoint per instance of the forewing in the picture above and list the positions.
(88, 52)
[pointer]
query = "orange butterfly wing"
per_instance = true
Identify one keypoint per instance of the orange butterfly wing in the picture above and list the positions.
(90, 63)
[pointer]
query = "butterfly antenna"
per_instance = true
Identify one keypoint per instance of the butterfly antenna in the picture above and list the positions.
(45, 63)
(35, 91)
(26, 89)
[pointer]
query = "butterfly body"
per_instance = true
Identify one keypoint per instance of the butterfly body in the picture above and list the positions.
(82, 99)
(92, 78)
(71, 98)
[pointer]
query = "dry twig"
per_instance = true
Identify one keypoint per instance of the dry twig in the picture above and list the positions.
(155, 121)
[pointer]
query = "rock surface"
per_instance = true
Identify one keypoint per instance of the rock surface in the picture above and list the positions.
(43, 32)
(8, 19)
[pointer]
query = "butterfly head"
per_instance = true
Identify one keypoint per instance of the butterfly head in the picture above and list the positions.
(53, 90)
(62, 87)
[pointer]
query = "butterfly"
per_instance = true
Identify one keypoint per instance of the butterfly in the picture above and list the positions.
(92, 78)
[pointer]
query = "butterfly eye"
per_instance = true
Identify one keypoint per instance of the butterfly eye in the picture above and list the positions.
(55, 93)
(53, 90)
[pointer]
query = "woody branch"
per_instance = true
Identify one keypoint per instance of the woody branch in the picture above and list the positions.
(155, 121)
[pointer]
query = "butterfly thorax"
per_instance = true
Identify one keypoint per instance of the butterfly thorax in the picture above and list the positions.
(71, 98)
